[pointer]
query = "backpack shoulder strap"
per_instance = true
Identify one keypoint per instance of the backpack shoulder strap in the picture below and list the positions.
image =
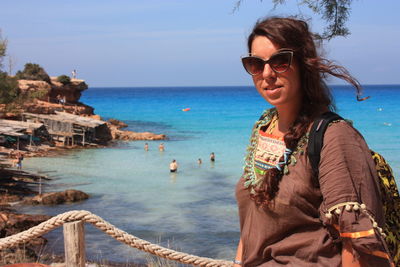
(316, 139)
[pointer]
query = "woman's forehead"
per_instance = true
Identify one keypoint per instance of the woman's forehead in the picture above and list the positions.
(263, 47)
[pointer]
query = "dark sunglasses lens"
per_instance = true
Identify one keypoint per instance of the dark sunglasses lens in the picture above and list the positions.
(253, 65)
(280, 62)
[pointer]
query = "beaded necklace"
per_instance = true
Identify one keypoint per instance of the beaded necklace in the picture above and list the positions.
(272, 124)
(250, 177)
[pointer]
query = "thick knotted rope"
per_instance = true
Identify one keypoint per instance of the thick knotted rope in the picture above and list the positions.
(111, 230)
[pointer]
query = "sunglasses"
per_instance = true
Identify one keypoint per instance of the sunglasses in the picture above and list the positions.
(279, 62)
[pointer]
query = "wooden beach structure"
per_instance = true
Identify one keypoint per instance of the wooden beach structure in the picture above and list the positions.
(72, 129)
(11, 130)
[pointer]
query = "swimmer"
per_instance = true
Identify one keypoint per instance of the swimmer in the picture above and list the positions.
(212, 156)
(199, 161)
(173, 166)
(146, 147)
(161, 147)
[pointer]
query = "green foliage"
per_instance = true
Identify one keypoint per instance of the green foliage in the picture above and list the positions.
(33, 72)
(334, 12)
(8, 88)
(3, 49)
(11, 95)
(64, 79)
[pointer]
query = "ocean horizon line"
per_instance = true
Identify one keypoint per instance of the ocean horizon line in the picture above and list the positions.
(222, 86)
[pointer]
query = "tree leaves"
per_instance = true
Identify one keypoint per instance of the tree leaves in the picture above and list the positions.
(3, 48)
(334, 12)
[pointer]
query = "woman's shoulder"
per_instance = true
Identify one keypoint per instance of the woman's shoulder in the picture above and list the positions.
(343, 132)
(341, 126)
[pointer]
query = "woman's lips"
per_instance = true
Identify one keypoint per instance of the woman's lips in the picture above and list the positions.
(273, 88)
(273, 92)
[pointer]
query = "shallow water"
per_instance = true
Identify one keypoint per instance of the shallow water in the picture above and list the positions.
(193, 210)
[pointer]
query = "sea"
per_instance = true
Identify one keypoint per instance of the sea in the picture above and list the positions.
(193, 210)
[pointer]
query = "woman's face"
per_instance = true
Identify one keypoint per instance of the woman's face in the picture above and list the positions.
(282, 90)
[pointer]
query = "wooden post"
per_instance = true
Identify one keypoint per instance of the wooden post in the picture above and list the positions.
(40, 186)
(74, 244)
(84, 133)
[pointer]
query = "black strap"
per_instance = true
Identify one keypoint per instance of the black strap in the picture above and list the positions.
(316, 139)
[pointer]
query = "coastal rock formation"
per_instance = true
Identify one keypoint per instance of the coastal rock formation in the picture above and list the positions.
(117, 134)
(54, 198)
(71, 91)
(118, 124)
(132, 136)
(44, 107)
(33, 86)
(49, 95)
(12, 223)
(15, 184)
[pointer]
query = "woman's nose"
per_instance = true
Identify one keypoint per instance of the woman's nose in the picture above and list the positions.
(268, 73)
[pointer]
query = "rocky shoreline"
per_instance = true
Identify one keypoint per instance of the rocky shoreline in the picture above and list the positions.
(20, 187)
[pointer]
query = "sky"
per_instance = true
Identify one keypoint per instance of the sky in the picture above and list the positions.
(181, 42)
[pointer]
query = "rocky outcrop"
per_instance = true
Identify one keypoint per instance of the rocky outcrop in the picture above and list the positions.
(117, 134)
(72, 91)
(55, 96)
(54, 198)
(118, 124)
(132, 136)
(19, 186)
(44, 107)
(12, 223)
(34, 86)
(15, 184)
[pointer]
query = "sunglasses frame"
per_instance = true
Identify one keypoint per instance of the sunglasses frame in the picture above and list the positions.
(281, 51)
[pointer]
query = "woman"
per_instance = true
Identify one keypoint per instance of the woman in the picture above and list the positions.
(285, 218)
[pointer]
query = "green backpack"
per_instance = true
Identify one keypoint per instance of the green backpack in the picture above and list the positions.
(387, 183)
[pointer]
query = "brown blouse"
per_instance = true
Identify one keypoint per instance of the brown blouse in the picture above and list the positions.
(305, 225)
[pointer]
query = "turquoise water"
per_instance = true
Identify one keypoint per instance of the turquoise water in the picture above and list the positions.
(193, 210)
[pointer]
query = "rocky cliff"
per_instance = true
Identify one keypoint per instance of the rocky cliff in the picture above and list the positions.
(71, 91)
(55, 96)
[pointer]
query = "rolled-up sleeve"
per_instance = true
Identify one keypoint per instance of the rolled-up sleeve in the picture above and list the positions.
(352, 207)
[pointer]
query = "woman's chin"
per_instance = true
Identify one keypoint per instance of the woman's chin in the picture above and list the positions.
(273, 95)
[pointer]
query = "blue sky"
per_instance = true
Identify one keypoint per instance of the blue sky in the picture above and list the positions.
(181, 42)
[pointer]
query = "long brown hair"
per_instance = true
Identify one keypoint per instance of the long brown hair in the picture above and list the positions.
(294, 34)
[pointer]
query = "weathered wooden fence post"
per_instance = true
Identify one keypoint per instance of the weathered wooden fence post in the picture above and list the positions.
(74, 244)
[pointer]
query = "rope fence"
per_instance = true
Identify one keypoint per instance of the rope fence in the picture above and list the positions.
(111, 230)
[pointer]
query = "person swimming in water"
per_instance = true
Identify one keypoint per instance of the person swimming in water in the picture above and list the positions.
(173, 166)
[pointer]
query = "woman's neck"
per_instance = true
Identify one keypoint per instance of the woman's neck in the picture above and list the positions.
(286, 115)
